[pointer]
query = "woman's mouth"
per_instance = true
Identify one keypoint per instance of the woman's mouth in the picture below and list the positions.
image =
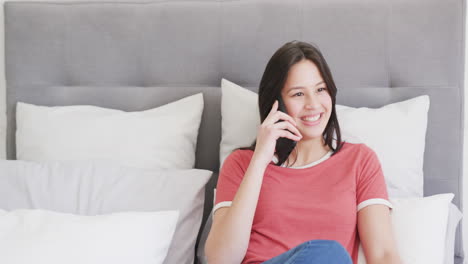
(312, 120)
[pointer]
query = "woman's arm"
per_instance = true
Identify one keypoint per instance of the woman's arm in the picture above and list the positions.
(229, 236)
(376, 235)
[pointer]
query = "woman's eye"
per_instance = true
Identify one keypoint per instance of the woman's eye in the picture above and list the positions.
(322, 89)
(296, 94)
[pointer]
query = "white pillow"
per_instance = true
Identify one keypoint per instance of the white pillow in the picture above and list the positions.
(163, 137)
(46, 237)
(396, 132)
(95, 188)
(240, 118)
(419, 226)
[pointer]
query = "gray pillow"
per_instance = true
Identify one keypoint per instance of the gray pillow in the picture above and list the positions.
(454, 218)
(90, 188)
(204, 235)
(201, 246)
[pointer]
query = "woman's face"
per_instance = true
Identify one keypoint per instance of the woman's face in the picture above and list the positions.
(307, 100)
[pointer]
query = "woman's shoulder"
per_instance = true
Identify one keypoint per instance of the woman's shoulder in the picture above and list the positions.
(242, 152)
(240, 156)
(357, 148)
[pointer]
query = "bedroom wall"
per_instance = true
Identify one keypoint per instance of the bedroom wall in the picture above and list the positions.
(3, 124)
(465, 153)
(2, 89)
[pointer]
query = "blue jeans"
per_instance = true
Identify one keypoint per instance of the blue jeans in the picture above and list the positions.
(314, 252)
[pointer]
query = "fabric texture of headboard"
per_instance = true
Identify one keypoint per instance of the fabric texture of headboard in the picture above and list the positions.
(139, 55)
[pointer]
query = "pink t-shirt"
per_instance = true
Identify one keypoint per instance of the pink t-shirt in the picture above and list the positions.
(298, 205)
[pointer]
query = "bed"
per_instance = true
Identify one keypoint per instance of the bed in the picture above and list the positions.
(135, 56)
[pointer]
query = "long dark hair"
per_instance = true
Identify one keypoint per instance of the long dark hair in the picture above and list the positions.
(274, 78)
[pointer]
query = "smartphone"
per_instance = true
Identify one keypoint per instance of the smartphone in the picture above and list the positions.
(284, 146)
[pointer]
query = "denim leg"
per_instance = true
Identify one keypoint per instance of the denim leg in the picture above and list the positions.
(314, 252)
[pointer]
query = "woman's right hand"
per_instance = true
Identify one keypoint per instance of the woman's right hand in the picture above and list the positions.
(270, 130)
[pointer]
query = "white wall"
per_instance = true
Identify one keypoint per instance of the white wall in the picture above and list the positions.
(2, 88)
(465, 155)
(465, 158)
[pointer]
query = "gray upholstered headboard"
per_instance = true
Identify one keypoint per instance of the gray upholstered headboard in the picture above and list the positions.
(135, 56)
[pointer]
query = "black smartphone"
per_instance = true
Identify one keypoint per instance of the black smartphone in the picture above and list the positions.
(284, 146)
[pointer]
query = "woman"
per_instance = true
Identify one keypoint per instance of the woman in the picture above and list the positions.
(313, 205)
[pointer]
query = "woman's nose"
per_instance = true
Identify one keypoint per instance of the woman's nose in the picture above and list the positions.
(312, 102)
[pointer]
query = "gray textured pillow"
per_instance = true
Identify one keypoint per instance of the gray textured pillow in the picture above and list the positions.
(454, 218)
(90, 188)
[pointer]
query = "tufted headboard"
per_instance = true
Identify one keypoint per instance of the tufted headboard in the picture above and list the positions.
(139, 55)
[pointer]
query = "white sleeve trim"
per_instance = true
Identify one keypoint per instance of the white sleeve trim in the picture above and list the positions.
(221, 205)
(374, 201)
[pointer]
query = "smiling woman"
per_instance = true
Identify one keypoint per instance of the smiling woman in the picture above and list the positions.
(299, 75)
(322, 196)
(307, 89)
(308, 102)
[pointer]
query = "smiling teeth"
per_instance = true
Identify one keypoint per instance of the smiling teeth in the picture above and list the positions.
(315, 118)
